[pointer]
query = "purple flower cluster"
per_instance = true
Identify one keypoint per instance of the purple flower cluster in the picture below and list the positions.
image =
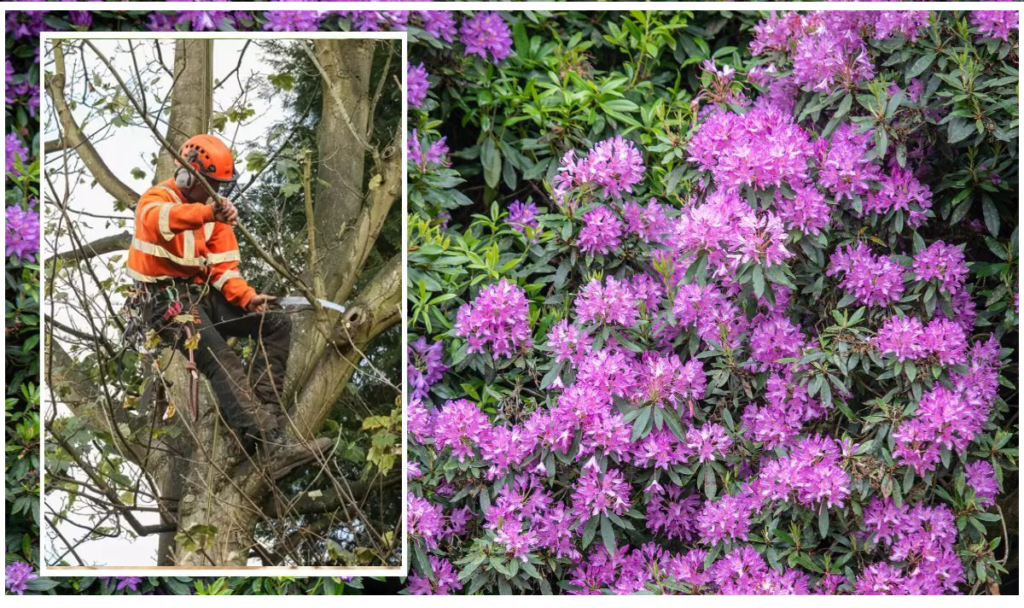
(788, 407)
(373, 21)
(417, 85)
(17, 576)
(773, 338)
(845, 170)
(950, 418)
(671, 513)
(727, 518)
(943, 263)
(743, 571)
(128, 582)
(716, 318)
(761, 148)
(486, 34)
(649, 224)
(425, 366)
(900, 190)
(831, 58)
(439, 24)
(609, 303)
(25, 24)
(445, 580)
(981, 477)
(22, 232)
(568, 343)
(601, 233)
(923, 537)
(15, 150)
(461, 426)
(996, 24)
(873, 280)
(23, 93)
(526, 518)
(425, 154)
(523, 215)
(811, 474)
(807, 211)
(614, 165)
(828, 49)
(708, 443)
(425, 519)
(601, 493)
(497, 321)
(907, 338)
(665, 381)
(292, 21)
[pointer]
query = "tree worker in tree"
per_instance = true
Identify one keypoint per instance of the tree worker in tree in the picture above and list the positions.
(184, 259)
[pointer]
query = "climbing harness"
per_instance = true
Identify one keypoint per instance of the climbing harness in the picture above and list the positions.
(158, 307)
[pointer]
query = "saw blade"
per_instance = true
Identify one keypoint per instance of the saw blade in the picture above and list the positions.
(299, 301)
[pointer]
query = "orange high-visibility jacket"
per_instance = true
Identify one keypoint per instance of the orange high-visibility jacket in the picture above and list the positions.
(175, 239)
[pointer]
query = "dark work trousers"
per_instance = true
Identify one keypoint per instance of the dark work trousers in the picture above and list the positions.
(249, 396)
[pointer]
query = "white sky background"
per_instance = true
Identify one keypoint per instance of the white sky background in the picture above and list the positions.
(128, 148)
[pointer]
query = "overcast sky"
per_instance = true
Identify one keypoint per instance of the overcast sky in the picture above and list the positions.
(126, 149)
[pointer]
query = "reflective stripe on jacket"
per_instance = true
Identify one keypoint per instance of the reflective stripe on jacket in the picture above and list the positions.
(178, 240)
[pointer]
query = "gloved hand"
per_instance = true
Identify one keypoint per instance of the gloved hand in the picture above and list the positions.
(259, 302)
(225, 212)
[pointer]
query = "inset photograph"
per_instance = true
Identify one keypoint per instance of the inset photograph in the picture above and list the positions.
(223, 287)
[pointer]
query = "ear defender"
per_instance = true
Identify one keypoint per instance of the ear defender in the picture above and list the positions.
(183, 178)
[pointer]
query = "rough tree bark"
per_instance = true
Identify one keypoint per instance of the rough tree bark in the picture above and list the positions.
(191, 99)
(203, 469)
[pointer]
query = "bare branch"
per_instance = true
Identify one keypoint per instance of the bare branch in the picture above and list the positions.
(102, 246)
(72, 135)
(380, 90)
(111, 495)
(326, 501)
(91, 338)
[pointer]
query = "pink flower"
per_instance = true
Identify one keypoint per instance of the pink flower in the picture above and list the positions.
(486, 33)
(944, 263)
(498, 320)
(709, 442)
(417, 85)
(874, 280)
(461, 426)
(600, 493)
(614, 165)
(981, 477)
(601, 233)
(611, 303)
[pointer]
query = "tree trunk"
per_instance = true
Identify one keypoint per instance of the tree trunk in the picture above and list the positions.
(191, 99)
(190, 109)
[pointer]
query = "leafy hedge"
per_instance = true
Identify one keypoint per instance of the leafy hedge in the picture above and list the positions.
(715, 303)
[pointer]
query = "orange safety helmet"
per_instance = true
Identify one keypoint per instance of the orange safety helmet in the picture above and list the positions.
(210, 157)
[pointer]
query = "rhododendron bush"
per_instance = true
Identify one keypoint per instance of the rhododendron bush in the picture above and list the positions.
(714, 303)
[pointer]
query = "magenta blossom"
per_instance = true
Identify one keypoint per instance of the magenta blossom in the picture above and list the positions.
(496, 321)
